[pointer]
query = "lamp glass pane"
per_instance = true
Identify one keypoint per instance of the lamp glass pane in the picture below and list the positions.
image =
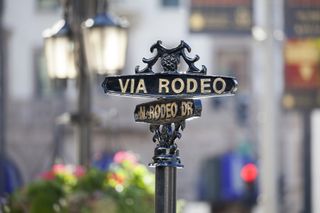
(60, 58)
(105, 49)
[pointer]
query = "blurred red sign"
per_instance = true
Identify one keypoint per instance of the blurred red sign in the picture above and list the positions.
(302, 74)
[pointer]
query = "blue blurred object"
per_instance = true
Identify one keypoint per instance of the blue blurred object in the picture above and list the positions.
(12, 177)
(103, 160)
(231, 185)
(220, 180)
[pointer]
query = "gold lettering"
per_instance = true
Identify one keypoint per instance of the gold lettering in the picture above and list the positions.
(157, 111)
(151, 112)
(160, 111)
(125, 87)
(142, 113)
(183, 109)
(174, 86)
(163, 111)
(163, 83)
(174, 109)
(190, 109)
(193, 82)
(186, 108)
(223, 85)
(205, 85)
(141, 86)
(132, 86)
(168, 111)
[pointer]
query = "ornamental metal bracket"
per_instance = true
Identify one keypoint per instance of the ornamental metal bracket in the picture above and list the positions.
(170, 59)
(166, 152)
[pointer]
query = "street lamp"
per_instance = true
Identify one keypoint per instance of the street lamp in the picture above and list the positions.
(77, 44)
(105, 41)
(59, 48)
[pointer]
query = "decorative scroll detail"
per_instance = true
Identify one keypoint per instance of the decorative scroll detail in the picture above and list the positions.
(167, 153)
(170, 59)
(166, 134)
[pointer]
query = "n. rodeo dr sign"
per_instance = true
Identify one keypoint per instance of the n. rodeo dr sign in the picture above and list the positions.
(167, 111)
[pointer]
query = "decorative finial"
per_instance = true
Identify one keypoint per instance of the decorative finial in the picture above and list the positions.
(170, 59)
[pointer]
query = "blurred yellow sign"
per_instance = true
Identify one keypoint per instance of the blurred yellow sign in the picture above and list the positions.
(302, 74)
(302, 64)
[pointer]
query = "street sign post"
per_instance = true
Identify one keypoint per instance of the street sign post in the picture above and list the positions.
(175, 91)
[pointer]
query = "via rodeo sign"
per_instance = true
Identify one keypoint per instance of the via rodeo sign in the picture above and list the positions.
(174, 89)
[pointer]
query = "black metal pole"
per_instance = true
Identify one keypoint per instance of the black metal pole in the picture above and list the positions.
(166, 160)
(165, 201)
(307, 161)
(81, 10)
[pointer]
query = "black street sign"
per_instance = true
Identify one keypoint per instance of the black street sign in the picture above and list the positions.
(170, 85)
(301, 100)
(227, 17)
(167, 111)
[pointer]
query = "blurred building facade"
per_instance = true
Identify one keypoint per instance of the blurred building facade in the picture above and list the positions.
(227, 124)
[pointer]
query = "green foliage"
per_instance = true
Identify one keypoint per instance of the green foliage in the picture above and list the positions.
(93, 180)
(44, 196)
(39, 196)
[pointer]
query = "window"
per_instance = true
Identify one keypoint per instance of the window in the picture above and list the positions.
(170, 3)
(234, 61)
(47, 5)
(43, 87)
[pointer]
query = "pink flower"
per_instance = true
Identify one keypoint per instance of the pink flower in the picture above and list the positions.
(79, 171)
(58, 168)
(49, 175)
(121, 156)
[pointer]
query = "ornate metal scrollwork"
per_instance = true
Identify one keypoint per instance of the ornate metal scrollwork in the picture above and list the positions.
(170, 59)
(166, 152)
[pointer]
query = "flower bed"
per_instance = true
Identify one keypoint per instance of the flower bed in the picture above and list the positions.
(126, 187)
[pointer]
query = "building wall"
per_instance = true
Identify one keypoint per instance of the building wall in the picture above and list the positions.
(25, 22)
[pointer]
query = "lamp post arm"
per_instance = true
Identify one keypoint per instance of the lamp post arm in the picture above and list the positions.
(102, 6)
(66, 8)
